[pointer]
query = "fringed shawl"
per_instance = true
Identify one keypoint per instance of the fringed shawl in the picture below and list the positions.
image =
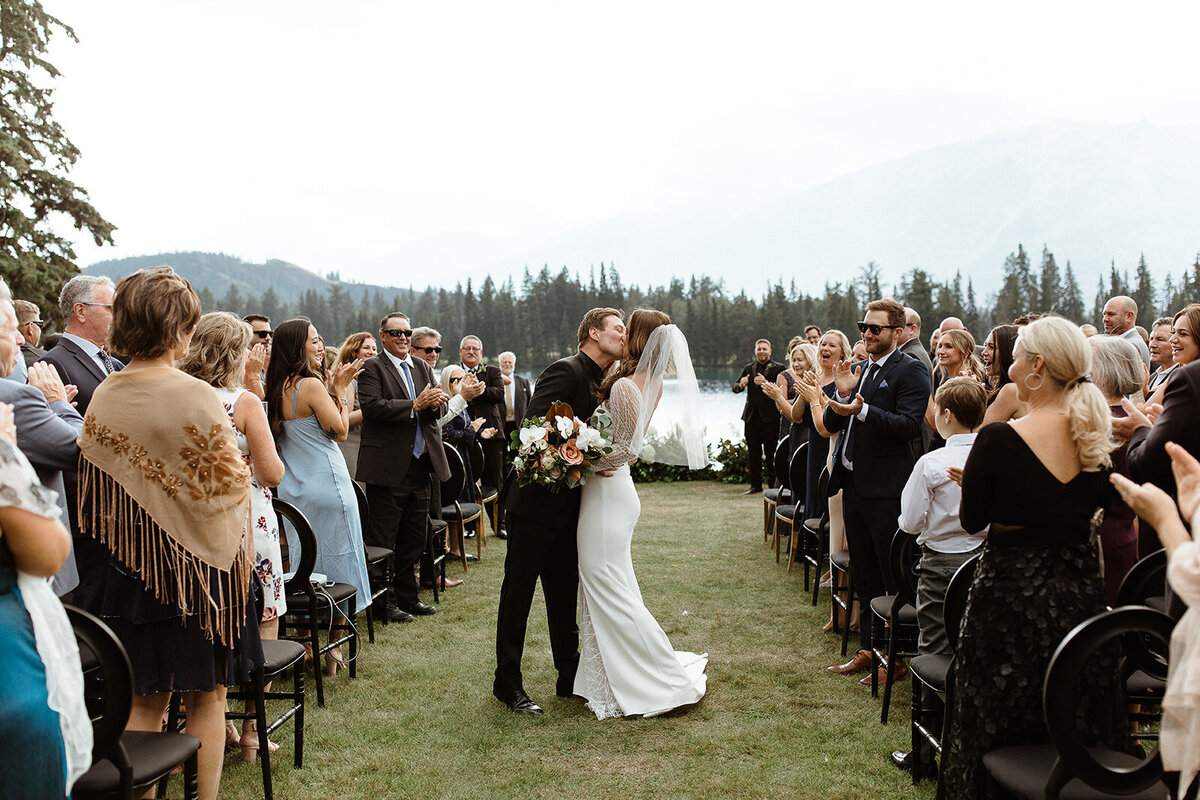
(163, 486)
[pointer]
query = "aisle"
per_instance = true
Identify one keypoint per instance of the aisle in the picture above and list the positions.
(420, 721)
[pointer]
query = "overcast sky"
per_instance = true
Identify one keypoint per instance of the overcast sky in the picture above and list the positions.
(332, 134)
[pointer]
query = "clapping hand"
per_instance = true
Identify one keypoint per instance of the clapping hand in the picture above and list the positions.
(1187, 479)
(44, 378)
(471, 387)
(1147, 501)
(847, 409)
(810, 388)
(771, 390)
(344, 374)
(844, 378)
(477, 423)
(955, 474)
(431, 396)
(1123, 427)
(742, 383)
(487, 433)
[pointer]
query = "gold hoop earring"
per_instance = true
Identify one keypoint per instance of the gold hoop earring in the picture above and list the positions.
(1041, 380)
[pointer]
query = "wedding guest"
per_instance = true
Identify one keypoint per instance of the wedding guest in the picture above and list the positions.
(1185, 344)
(1120, 319)
(1160, 353)
(306, 422)
(357, 347)
(785, 390)
(1180, 730)
(929, 509)
(955, 358)
(760, 417)
(489, 404)
(1117, 372)
(217, 355)
(1039, 482)
(39, 760)
(1089, 330)
(909, 338)
(1003, 404)
(517, 392)
(163, 487)
(858, 353)
(461, 431)
(256, 382)
(29, 325)
(812, 335)
(933, 343)
(427, 345)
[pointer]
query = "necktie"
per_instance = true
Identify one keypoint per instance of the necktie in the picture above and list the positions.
(109, 366)
(419, 442)
(508, 400)
(864, 384)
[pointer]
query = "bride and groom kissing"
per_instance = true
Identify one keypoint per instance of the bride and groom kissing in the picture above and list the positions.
(577, 541)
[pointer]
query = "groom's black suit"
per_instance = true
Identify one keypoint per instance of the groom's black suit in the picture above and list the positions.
(541, 542)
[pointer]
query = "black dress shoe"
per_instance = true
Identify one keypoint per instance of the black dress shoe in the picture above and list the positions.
(502, 534)
(397, 614)
(419, 609)
(753, 490)
(519, 703)
(904, 761)
(456, 557)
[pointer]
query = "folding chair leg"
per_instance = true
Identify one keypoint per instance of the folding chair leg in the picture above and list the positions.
(260, 723)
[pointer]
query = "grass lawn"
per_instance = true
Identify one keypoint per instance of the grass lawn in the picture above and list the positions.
(420, 720)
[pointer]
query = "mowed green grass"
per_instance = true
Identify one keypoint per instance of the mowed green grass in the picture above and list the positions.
(420, 721)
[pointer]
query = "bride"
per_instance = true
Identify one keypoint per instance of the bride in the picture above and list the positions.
(627, 666)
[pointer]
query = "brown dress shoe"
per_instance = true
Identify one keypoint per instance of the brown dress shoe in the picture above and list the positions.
(860, 662)
(899, 673)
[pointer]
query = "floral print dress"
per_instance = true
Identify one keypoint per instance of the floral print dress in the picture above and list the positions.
(268, 559)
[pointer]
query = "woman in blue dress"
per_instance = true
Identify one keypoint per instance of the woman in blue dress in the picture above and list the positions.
(308, 419)
(33, 540)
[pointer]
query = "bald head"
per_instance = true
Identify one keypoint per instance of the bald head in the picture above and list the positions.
(911, 329)
(1120, 314)
(952, 324)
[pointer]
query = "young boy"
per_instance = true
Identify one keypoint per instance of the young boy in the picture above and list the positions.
(929, 508)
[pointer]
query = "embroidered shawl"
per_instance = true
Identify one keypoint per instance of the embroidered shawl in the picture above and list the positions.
(162, 484)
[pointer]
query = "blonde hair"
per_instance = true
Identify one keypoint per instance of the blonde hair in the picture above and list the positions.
(843, 342)
(446, 375)
(1068, 363)
(217, 354)
(809, 351)
(964, 343)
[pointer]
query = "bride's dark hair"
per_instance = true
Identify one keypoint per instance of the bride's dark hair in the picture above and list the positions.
(642, 323)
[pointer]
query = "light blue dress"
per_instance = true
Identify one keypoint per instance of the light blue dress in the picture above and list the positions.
(316, 482)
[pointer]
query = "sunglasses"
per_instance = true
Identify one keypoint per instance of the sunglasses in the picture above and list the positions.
(396, 333)
(264, 334)
(455, 380)
(875, 329)
(428, 350)
(37, 322)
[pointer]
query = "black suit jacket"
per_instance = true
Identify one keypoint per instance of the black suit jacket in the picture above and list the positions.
(77, 367)
(522, 391)
(31, 353)
(883, 455)
(490, 404)
(1147, 453)
(389, 427)
(757, 403)
(572, 380)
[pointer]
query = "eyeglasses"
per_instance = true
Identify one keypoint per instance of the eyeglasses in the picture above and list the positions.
(102, 305)
(456, 380)
(396, 333)
(264, 334)
(37, 322)
(428, 350)
(471, 349)
(875, 329)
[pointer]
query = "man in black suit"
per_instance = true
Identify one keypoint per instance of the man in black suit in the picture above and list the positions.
(401, 448)
(908, 340)
(541, 524)
(517, 392)
(489, 404)
(82, 361)
(760, 415)
(29, 325)
(879, 413)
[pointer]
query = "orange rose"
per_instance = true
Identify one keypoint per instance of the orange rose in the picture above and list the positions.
(570, 453)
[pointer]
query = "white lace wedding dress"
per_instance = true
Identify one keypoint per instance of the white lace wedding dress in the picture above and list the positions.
(626, 665)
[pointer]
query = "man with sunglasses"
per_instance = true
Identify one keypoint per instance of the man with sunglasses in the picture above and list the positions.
(760, 415)
(29, 323)
(401, 448)
(879, 412)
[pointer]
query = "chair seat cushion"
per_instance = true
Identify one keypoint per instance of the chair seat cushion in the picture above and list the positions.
(785, 513)
(931, 669)
(1022, 770)
(882, 606)
(376, 555)
(813, 525)
(152, 755)
(279, 654)
(1142, 685)
(437, 525)
(772, 495)
(298, 601)
(469, 511)
(840, 560)
(488, 493)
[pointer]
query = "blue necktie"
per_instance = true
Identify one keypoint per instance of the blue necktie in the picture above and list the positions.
(419, 443)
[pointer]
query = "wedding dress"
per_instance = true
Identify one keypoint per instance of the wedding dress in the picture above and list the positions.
(627, 665)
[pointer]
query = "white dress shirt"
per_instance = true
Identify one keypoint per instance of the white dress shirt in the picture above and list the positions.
(91, 348)
(930, 502)
(862, 412)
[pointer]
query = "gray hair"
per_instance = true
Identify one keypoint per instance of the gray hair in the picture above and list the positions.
(424, 332)
(1117, 368)
(5, 293)
(471, 336)
(508, 353)
(81, 289)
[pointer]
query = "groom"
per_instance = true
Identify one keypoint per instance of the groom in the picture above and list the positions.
(541, 525)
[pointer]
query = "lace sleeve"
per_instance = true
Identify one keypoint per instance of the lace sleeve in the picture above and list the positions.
(624, 407)
(19, 485)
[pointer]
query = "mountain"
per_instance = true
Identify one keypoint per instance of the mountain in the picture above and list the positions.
(1093, 193)
(217, 272)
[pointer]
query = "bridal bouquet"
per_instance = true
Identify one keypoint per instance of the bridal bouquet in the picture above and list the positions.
(559, 449)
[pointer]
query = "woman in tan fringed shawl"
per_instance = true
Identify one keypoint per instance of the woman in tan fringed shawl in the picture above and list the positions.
(164, 488)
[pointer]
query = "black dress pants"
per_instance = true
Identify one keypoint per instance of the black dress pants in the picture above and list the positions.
(870, 524)
(399, 519)
(548, 552)
(761, 436)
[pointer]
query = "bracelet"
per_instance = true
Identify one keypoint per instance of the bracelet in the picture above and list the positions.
(342, 402)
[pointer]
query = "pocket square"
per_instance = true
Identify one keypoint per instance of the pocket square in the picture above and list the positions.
(883, 385)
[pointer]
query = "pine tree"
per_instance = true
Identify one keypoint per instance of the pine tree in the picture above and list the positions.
(1143, 295)
(1098, 304)
(1072, 298)
(1050, 291)
(35, 157)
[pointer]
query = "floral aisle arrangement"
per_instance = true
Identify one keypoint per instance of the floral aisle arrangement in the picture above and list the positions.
(559, 449)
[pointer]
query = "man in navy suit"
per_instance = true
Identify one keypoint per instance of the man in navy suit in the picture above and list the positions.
(81, 360)
(879, 412)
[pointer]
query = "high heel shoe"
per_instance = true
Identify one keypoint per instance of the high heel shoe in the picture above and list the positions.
(232, 740)
(249, 742)
(334, 662)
